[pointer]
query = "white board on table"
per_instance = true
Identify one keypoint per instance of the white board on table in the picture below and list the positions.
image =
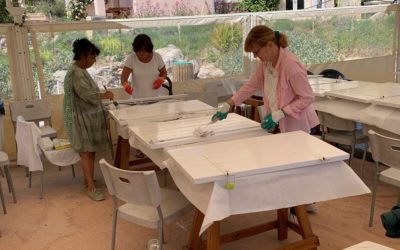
(317, 80)
(393, 102)
(321, 89)
(161, 111)
(346, 109)
(367, 92)
(251, 156)
(157, 135)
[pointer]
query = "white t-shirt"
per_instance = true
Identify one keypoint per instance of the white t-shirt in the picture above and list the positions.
(144, 74)
(270, 82)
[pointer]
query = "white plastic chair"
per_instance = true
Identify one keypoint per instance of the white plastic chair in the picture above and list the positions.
(31, 155)
(366, 128)
(4, 167)
(386, 151)
(342, 131)
(35, 111)
(146, 204)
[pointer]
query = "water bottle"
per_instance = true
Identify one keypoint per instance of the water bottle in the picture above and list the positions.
(153, 244)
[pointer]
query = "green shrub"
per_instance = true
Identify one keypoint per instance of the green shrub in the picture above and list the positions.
(110, 45)
(284, 25)
(4, 15)
(310, 49)
(226, 36)
(5, 84)
(231, 62)
(258, 5)
(53, 8)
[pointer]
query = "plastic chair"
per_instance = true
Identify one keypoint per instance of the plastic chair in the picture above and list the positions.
(146, 204)
(4, 167)
(36, 111)
(332, 73)
(31, 153)
(386, 151)
(366, 128)
(341, 131)
(168, 85)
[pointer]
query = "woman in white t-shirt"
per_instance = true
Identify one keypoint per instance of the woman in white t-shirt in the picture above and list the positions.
(147, 68)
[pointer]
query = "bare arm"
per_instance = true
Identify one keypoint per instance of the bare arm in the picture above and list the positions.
(163, 72)
(125, 74)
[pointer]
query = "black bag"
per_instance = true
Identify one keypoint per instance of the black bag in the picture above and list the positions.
(391, 222)
(2, 107)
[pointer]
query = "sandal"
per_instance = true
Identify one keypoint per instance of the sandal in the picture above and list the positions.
(95, 195)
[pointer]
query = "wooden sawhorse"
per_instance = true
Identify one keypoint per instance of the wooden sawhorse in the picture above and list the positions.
(282, 224)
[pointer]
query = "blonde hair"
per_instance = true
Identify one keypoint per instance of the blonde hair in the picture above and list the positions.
(259, 36)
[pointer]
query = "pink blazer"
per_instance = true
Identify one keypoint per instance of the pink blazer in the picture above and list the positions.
(294, 93)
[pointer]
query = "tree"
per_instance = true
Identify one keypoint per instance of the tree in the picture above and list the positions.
(4, 15)
(258, 5)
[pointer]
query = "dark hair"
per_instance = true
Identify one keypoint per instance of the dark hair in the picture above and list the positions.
(142, 42)
(84, 47)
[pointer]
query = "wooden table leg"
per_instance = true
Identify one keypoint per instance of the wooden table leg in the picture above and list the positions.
(310, 241)
(213, 239)
(282, 223)
(194, 238)
(303, 220)
(122, 153)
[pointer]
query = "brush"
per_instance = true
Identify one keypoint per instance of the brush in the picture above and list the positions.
(199, 132)
(114, 101)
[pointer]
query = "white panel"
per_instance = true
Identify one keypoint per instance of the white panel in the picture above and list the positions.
(251, 156)
(179, 132)
(393, 101)
(321, 89)
(367, 93)
(318, 79)
(160, 111)
(345, 109)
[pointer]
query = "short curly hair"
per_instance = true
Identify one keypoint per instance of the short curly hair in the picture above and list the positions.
(84, 47)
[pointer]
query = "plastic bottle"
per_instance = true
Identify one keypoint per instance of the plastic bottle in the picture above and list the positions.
(153, 244)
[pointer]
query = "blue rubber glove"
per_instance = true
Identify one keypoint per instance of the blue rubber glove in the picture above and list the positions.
(270, 120)
(222, 112)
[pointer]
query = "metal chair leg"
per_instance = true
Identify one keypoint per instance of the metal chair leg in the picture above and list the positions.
(41, 185)
(30, 179)
(114, 224)
(10, 182)
(351, 154)
(363, 159)
(371, 215)
(2, 199)
(73, 170)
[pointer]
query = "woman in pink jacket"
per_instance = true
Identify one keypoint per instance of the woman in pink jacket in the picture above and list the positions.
(283, 81)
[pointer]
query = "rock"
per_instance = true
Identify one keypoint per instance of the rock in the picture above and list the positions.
(210, 71)
(170, 54)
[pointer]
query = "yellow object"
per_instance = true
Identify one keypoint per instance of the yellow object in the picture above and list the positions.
(230, 185)
(60, 144)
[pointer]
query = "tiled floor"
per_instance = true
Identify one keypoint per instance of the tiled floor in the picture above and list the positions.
(66, 219)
